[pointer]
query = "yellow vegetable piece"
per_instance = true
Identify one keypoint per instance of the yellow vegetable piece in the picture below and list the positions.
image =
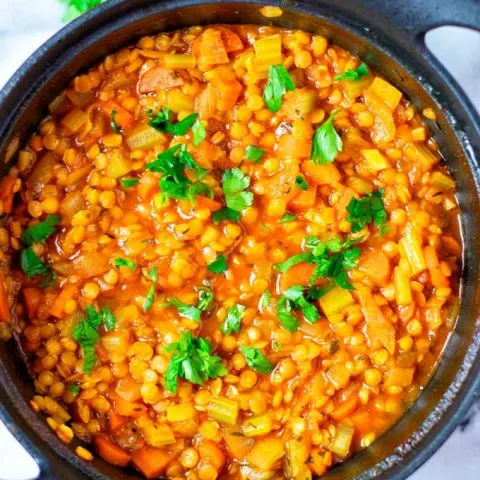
(181, 412)
(298, 451)
(412, 246)
(420, 154)
(255, 426)
(387, 92)
(223, 410)
(335, 301)
(383, 130)
(158, 435)
(401, 282)
(268, 51)
(299, 102)
(398, 377)
(342, 441)
(339, 375)
(266, 452)
(144, 136)
(75, 120)
(355, 88)
(178, 101)
(175, 60)
(441, 181)
(374, 160)
(271, 12)
(118, 164)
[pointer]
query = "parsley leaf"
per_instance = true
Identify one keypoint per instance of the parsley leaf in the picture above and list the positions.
(287, 320)
(74, 388)
(76, 7)
(369, 208)
(359, 72)
(123, 262)
(293, 260)
(149, 299)
(254, 154)
(235, 182)
(193, 361)
(326, 143)
(233, 319)
(86, 334)
(33, 265)
(266, 297)
(288, 217)
(115, 126)
(152, 274)
(294, 299)
(279, 82)
(129, 182)
(199, 133)
(161, 122)
(256, 360)
(205, 299)
(39, 232)
(225, 214)
(301, 183)
(219, 265)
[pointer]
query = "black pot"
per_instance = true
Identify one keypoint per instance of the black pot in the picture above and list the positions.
(388, 35)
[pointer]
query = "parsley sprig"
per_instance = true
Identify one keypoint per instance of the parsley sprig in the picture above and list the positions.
(86, 333)
(162, 122)
(369, 208)
(152, 274)
(235, 183)
(294, 299)
(199, 133)
(279, 82)
(76, 7)
(205, 299)
(219, 265)
(257, 360)
(357, 74)
(233, 319)
(326, 142)
(226, 214)
(193, 361)
(254, 154)
(40, 232)
(124, 262)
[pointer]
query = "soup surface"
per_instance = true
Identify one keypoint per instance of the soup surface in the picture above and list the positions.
(233, 255)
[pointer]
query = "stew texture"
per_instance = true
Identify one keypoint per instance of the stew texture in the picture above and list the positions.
(229, 252)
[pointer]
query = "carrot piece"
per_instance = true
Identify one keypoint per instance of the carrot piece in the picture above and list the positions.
(6, 192)
(289, 146)
(431, 257)
(297, 275)
(128, 389)
(159, 78)
(321, 174)
(151, 461)
(115, 420)
(205, 202)
(5, 314)
(206, 103)
(231, 40)
(212, 48)
(110, 451)
(345, 408)
(304, 200)
(69, 291)
(147, 186)
(210, 453)
(439, 280)
(123, 117)
(227, 88)
(128, 409)
(32, 297)
(452, 245)
(375, 264)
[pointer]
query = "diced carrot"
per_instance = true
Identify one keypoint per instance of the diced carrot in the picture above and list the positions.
(431, 257)
(110, 451)
(210, 453)
(383, 130)
(297, 275)
(375, 264)
(345, 408)
(206, 103)
(212, 48)
(128, 409)
(159, 78)
(69, 291)
(290, 147)
(128, 389)
(452, 245)
(32, 297)
(321, 174)
(147, 186)
(227, 89)
(151, 461)
(439, 280)
(115, 420)
(123, 117)
(231, 40)
(5, 314)
(205, 202)
(343, 202)
(6, 192)
(304, 200)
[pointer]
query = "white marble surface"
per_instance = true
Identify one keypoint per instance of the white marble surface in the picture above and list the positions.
(25, 24)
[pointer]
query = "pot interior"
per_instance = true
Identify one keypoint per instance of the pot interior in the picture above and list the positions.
(25, 100)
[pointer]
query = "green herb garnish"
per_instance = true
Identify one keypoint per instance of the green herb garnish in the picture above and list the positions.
(235, 182)
(256, 360)
(152, 274)
(40, 232)
(254, 154)
(199, 133)
(359, 72)
(369, 208)
(219, 265)
(73, 388)
(226, 214)
(129, 182)
(233, 319)
(326, 143)
(301, 183)
(123, 262)
(294, 299)
(193, 361)
(288, 217)
(76, 7)
(162, 122)
(266, 297)
(33, 265)
(205, 299)
(279, 82)
(115, 126)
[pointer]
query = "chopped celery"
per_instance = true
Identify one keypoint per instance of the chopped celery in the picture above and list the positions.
(223, 410)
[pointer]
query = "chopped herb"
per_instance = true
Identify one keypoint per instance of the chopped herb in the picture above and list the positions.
(86, 333)
(256, 360)
(205, 299)
(296, 295)
(152, 274)
(266, 297)
(73, 388)
(279, 82)
(233, 319)
(314, 293)
(369, 208)
(199, 133)
(33, 265)
(326, 143)
(293, 260)
(254, 154)
(287, 319)
(76, 7)
(162, 122)
(39, 232)
(115, 126)
(219, 265)
(288, 217)
(301, 183)
(359, 72)
(149, 299)
(226, 214)
(129, 182)
(123, 262)
(193, 361)
(235, 182)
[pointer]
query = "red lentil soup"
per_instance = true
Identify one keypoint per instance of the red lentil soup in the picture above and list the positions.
(229, 252)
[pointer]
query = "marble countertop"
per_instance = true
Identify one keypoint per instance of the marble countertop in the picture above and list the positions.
(25, 25)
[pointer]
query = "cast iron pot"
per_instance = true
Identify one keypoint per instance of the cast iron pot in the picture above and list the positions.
(387, 34)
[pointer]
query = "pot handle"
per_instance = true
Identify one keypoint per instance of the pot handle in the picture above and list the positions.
(416, 17)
